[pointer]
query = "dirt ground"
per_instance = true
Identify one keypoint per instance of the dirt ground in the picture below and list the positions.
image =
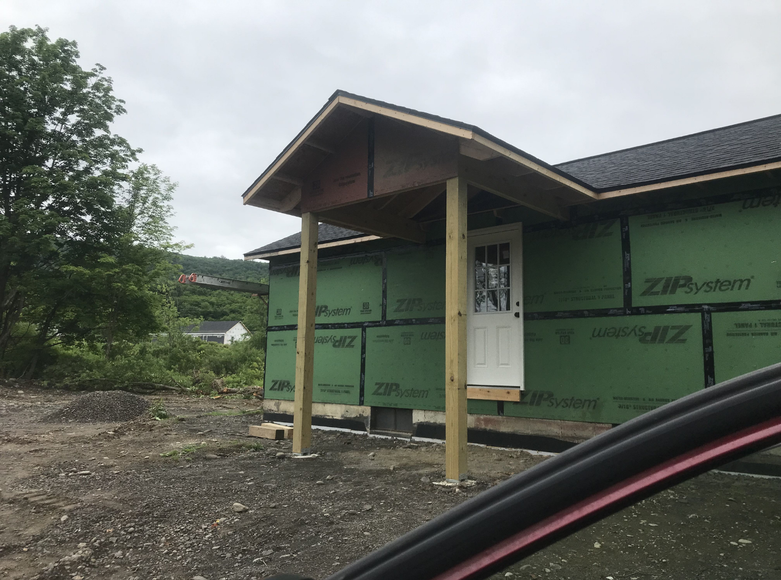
(154, 499)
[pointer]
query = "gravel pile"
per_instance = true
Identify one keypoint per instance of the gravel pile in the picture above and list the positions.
(99, 407)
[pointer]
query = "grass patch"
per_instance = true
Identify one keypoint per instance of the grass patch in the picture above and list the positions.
(184, 452)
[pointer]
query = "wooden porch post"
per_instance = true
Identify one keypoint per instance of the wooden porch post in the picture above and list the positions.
(455, 331)
(305, 342)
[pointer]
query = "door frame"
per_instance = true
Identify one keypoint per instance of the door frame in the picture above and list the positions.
(516, 229)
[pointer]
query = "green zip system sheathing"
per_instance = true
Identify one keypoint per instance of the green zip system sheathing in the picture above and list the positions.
(608, 369)
(681, 296)
(348, 290)
(337, 360)
(416, 284)
(573, 268)
(745, 341)
(717, 253)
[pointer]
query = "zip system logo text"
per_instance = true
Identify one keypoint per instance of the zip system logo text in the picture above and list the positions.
(670, 285)
(667, 334)
(550, 400)
(326, 312)
(395, 390)
(282, 386)
(337, 341)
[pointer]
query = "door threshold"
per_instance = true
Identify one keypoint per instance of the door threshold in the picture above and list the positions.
(511, 394)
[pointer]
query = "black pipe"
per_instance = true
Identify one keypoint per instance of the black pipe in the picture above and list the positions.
(579, 473)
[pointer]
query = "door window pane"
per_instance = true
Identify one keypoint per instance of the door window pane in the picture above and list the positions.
(480, 267)
(504, 300)
(480, 301)
(492, 302)
(504, 253)
(492, 278)
(492, 254)
(504, 276)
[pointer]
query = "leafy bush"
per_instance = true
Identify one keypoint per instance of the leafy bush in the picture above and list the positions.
(158, 410)
(174, 360)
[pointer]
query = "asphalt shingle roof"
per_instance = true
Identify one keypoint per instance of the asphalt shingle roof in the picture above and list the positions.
(720, 149)
(211, 326)
(325, 233)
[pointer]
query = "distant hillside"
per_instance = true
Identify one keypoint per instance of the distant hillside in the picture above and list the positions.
(237, 269)
(195, 302)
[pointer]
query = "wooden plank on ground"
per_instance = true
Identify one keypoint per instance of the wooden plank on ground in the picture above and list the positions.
(271, 431)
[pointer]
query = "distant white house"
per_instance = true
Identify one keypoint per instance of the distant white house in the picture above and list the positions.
(219, 331)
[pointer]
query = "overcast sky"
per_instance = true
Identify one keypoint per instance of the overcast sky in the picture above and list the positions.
(215, 90)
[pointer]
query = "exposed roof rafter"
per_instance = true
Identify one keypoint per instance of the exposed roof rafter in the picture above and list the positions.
(373, 221)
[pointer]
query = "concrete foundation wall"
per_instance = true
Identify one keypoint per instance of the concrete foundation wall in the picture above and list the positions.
(572, 431)
(324, 410)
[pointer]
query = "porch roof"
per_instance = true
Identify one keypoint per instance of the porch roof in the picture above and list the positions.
(431, 149)
(278, 187)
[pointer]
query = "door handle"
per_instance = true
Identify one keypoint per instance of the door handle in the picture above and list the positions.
(517, 315)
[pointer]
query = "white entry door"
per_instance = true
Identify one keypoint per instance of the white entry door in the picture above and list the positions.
(495, 308)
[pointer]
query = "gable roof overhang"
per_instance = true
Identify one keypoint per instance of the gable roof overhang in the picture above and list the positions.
(393, 162)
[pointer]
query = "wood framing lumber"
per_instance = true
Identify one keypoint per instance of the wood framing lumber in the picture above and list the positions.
(288, 179)
(372, 221)
(271, 431)
(470, 148)
(493, 394)
(421, 121)
(284, 205)
(421, 200)
(455, 331)
(282, 159)
(305, 343)
(521, 160)
(508, 188)
(320, 145)
(290, 201)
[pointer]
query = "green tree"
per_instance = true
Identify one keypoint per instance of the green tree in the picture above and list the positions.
(125, 297)
(114, 289)
(59, 160)
(82, 237)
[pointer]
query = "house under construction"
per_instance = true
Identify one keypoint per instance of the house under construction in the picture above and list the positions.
(457, 283)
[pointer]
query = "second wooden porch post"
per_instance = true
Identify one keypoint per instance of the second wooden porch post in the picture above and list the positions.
(455, 331)
(305, 341)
